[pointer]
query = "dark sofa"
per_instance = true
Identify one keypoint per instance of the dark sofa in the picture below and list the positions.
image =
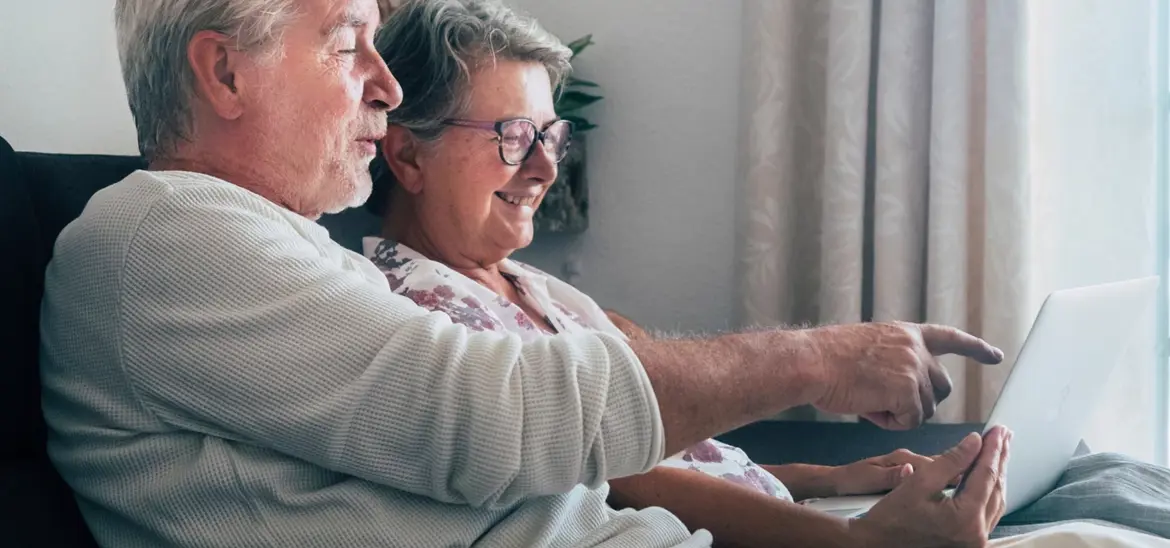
(41, 193)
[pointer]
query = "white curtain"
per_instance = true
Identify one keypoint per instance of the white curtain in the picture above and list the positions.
(885, 177)
(909, 159)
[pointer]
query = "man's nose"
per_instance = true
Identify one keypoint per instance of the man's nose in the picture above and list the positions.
(382, 89)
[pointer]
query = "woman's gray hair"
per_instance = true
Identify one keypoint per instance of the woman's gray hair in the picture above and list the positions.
(433, 46)
(152, 45)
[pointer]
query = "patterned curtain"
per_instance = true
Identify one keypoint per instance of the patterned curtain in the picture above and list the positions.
(885, 174)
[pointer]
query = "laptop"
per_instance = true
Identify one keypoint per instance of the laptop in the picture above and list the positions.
(1068, 356)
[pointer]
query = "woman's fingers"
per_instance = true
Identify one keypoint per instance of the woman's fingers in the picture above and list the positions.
(904, 456)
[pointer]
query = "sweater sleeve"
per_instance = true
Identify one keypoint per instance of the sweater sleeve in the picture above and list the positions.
(234, 324)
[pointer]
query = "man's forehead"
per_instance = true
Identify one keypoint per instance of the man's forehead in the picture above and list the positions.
(352, 13)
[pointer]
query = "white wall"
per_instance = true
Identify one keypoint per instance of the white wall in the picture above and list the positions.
(661, 166)
(60, 86)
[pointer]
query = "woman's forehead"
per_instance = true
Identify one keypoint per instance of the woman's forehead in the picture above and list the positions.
(509, 89)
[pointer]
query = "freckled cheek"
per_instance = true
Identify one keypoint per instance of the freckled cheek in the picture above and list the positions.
(480, 172)
(473, 192)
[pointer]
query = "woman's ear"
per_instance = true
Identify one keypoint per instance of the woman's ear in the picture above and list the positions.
(400, 150)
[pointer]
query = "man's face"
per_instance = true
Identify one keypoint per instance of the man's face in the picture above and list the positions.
(320, 106)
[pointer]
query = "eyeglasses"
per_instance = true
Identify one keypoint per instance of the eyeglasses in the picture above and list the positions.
(518, 137)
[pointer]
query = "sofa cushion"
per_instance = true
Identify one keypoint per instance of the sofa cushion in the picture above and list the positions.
(21, 271)
(39, 195)
(37, 509)
(61, 185)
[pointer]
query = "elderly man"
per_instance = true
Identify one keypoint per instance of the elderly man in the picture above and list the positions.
(218, 372)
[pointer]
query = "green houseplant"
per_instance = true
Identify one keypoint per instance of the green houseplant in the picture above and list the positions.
(577, 93)
(566, 205)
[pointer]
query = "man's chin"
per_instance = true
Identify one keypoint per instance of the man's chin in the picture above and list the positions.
(356, 196)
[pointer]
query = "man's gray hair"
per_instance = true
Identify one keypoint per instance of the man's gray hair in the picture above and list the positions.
(433, 46)
(152, 45)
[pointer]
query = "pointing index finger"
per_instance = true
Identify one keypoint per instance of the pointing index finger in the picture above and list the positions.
(941, 339)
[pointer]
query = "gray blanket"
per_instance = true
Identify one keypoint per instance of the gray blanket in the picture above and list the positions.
(1104, 488)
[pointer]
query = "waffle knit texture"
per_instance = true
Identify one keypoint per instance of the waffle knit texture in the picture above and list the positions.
(218, 372)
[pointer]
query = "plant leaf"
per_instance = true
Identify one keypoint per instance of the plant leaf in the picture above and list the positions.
(579, 123)
(580, 44)
(573, 100)
(582, 83)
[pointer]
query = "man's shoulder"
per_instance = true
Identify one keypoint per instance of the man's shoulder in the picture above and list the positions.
(144, 199)
(151, 219)
(143, 191)
(110, 218)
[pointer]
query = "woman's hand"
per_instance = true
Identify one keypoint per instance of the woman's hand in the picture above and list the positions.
(877, 474)
(865, 477)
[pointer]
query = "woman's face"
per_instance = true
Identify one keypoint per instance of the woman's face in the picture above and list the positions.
(469, 200)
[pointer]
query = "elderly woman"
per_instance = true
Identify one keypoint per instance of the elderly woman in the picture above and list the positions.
(469, 155)
(469, 162)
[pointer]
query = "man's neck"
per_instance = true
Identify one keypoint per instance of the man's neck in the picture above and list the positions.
(227, 169)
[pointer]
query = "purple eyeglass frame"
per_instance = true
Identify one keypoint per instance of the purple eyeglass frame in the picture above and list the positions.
(498, 127)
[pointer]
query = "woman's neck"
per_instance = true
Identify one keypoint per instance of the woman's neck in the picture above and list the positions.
(404, 227)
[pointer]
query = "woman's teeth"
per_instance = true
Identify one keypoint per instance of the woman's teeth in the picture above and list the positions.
(517, 200)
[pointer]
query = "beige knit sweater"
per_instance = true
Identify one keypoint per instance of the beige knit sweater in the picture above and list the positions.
(218, 372)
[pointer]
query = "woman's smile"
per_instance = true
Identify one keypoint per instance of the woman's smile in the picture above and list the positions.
(524, 202)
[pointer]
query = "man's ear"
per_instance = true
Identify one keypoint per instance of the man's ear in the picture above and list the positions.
(214, 63)
(401, 151)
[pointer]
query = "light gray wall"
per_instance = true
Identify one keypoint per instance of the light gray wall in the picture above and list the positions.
(660, 248)
(662, 164)
(60, 86)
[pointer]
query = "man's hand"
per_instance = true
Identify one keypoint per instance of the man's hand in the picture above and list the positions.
(884, 372)
(919, 514)
(888, 372)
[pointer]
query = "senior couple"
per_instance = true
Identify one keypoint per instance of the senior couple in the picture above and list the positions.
(218, 372)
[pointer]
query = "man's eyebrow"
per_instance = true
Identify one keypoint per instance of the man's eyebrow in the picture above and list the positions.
(347, 19)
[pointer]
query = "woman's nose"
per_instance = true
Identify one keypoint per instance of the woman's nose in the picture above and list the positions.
(541, 165)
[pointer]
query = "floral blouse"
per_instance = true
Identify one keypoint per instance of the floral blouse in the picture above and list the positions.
(434, 286)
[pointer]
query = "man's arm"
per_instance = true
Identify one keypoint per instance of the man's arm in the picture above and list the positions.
(247, 332)
(630, 329)
(885, 372)
(720, 367)
(708, 387)
(735, 515)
